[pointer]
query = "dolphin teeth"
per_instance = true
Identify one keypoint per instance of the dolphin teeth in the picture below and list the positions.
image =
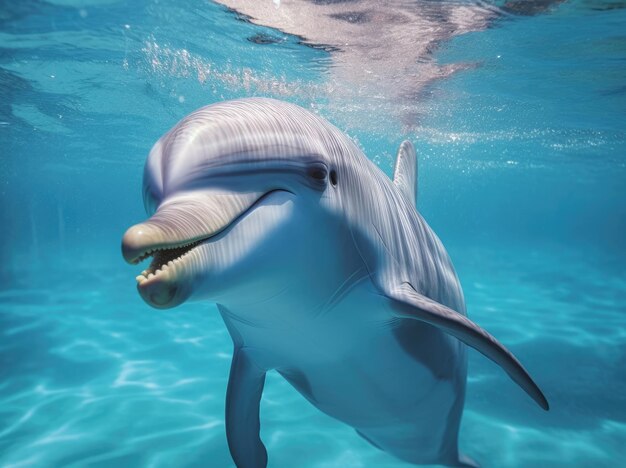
(165, 258)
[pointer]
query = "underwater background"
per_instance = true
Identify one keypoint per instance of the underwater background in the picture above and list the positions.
(518, 113)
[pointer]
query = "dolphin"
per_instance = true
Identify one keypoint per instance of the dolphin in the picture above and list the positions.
(322, 269)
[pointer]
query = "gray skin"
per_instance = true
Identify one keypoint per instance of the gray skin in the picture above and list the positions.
(322, 270)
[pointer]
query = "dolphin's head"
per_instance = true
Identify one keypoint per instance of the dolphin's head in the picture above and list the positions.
(222, 185)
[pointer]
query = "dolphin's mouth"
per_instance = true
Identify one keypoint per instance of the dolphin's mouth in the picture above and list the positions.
(161, 284)
(172, 234)
(164, 258)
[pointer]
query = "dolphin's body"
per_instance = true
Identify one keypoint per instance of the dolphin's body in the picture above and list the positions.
(322, 269)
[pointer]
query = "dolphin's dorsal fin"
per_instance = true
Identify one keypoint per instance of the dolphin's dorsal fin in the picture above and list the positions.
(405, 173)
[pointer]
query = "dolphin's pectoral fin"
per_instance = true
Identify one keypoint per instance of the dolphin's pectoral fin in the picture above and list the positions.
(243, 397)
(410, 304)
(405, 172)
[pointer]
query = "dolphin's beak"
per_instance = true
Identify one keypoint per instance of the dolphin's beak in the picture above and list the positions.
(180, 225)
(185, 220)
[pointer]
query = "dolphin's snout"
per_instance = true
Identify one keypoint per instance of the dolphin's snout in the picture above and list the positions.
(185, 220)
(138, 241)
(177, 228)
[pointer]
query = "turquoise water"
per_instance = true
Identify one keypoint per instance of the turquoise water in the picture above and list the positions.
(522, 175)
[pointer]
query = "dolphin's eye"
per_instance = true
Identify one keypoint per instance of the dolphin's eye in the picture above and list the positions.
(333, 177)
(317, 172)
